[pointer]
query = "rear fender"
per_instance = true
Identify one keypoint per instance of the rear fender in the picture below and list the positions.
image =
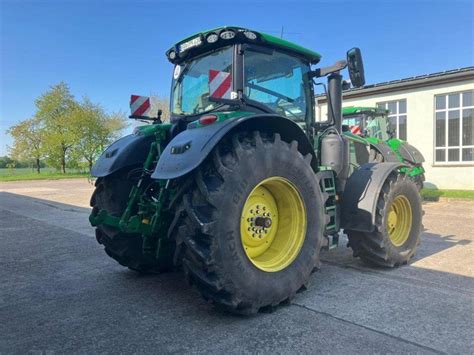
(191, 147)
(388, 154)
(359, 200)
(410, 153)
(127, 151)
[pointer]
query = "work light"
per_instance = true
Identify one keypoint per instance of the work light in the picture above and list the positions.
(250, 35)
(227, 34)
(196, 41)
(172, 55)
(212, 38)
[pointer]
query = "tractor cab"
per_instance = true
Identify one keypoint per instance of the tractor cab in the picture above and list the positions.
(234, 69)
(367, 122)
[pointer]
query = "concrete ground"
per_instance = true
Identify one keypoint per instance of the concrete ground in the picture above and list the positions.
(60, 293)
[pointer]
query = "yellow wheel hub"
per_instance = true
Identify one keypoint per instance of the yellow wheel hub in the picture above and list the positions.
(399, 221)
(273, 224)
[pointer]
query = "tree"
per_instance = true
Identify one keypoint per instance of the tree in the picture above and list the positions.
(65, 132)
(54, 110)
(4, 161)
(28, 141)
(95, 130)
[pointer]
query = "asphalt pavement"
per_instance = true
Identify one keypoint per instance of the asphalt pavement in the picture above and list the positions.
(60, 293)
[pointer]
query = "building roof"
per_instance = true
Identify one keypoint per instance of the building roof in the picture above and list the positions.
(447, 76)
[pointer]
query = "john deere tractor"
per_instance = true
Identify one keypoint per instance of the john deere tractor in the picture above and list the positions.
(372, 125)
(243, 187)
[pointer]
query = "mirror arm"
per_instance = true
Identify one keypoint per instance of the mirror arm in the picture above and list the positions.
(320, 72)
(156, 119)
(146, 118)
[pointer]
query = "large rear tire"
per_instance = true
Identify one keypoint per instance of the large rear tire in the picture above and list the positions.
(250, 229)
(398, 225)
(112, 193)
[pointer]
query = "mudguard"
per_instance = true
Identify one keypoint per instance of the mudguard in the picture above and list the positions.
(388, 154)
(407, 152)
(127, 151)
(189, 148)
(410, 153)
(359, 200)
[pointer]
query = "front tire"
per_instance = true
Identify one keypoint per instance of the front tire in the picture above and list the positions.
(222, 243)
(398, 225)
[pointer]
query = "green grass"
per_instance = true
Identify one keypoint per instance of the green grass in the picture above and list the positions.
(434, 195)
(46, 174)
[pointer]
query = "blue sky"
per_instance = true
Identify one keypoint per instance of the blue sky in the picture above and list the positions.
(110, 49)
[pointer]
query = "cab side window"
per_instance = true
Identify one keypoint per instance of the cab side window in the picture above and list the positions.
(277, 80)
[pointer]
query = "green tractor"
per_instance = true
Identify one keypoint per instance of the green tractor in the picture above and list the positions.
(367, 122)
(242, 187)
(372, 125)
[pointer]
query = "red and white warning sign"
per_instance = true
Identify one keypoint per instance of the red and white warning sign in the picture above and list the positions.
(140, 106)
(355, 129)
(220, 84)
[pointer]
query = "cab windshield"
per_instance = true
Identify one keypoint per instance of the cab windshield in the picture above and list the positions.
(193, 81)
(272, 78)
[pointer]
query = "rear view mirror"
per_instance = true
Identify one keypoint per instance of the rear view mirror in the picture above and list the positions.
(356, 67)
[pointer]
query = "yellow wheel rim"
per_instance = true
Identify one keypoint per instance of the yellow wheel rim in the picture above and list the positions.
(273, 224)
(399, 221)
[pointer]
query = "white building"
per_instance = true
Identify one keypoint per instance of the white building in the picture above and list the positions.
(435, 113)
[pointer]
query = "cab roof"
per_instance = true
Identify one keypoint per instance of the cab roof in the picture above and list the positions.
(198, 43)
(354, 110)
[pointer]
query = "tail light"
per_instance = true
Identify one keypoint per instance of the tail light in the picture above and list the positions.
(208, 119)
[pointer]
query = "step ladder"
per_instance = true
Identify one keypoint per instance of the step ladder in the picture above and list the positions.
(327, 184)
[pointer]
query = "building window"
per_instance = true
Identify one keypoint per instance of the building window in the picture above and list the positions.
(397, 116)
(454, 128)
